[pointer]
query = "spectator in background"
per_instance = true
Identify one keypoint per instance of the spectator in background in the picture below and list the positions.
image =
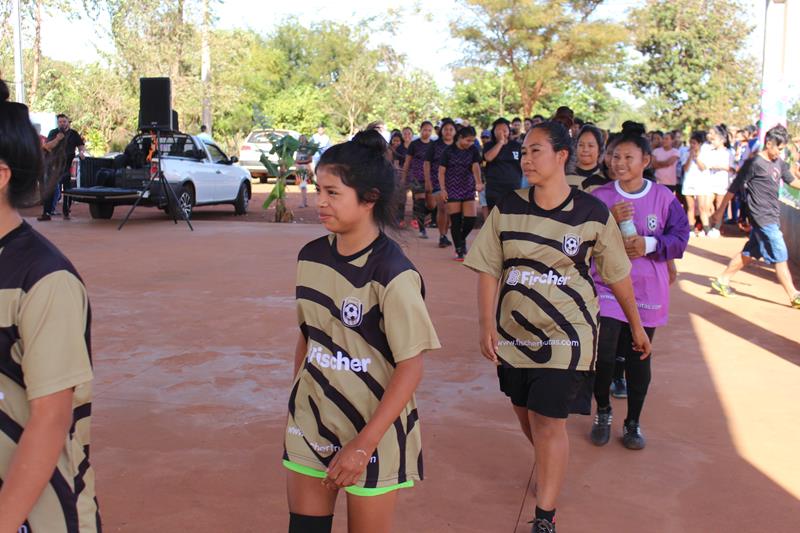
(759, 180)
(696, 187)
(502, 163)
(408, 136)
(716, 157)
(516, 130)
(204, 135)
(665, 160)
(588, 173)
(60, 149)
(38, 128)
(528, 123)
(536, 119)
(655, 139)
(322, 140)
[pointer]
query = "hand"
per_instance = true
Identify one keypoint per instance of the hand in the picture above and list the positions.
(479, 186)
(641, 342)
(444, 195)
(635, 247)
(622, 211)
(348, 464)
(673, 271)
(714, 219)
(488, 343)
(59, 136)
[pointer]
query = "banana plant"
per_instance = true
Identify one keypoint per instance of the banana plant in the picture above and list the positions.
(284, 147)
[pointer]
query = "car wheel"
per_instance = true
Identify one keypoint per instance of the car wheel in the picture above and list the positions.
(186, 201)
(242, 200)
(102, 211)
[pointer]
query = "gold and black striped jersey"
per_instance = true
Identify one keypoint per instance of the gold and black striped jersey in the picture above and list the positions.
(361, 315)
(587, 180)
(547, 313)
(44, 349)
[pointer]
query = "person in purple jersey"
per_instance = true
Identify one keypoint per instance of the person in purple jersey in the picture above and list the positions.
(459, 178)
(414, 174)
(435, 151)
(662, 234)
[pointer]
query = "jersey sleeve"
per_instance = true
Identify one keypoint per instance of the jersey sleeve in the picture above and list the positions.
(611, 260)
(53, 323)
(445, 159)
(476, 155)
(430, 153)
(673, 241)
(407, 324)
(486, 254)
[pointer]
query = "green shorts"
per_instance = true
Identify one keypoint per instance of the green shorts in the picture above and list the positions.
(355, 491)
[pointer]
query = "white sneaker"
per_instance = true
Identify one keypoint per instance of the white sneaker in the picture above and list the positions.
(713, 233)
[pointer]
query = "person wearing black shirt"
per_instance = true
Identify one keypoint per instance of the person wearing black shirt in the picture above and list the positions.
(59, 151)
(759, 180)
(503, 171)
(588, 175)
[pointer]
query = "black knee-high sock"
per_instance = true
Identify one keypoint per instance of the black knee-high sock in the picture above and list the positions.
(637, 372)
(456, 231)
(420, 209)
(602, 383)
(434, 212)
(619, 367)
(299, 523)
(466, 227)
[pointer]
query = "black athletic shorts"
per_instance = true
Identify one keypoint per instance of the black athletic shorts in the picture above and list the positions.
(550, 392)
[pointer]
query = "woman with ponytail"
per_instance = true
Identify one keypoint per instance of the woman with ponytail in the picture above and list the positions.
(353, 421)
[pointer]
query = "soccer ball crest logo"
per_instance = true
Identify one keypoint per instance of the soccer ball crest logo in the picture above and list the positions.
(352, 311)
(513, 277)
(571, 244)
(652, 222)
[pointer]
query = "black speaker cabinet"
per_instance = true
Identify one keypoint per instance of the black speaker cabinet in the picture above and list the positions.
(155, 104)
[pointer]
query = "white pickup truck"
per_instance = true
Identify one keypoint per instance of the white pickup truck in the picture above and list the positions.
(198, 171)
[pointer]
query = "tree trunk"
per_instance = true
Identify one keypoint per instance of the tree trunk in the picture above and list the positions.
(205, 67)
(37, 51)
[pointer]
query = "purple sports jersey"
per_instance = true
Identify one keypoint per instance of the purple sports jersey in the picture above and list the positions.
(458, 177)
(418, 150)
(657, 214)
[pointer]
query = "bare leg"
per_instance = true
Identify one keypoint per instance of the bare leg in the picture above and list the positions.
(308, 496)
(690, 203)
(442, 215)
(737, 263)
(785, 278)
(552, 456)
(524, 421)
(371, 514)
(706, 205)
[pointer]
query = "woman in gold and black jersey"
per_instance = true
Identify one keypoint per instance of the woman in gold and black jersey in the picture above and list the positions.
(538, 305)
(353, 421)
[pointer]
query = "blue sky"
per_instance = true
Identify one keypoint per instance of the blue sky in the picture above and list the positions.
(423, 36)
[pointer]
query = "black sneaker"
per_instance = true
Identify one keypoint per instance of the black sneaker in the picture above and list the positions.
(619, 388)
(601, 428)
(423, 234)
(632, 437)
(444, 242)
(542, 525)
(460, 253)
(43, 218)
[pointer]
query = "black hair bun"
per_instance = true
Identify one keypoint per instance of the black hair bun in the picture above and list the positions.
(629, 127)
(371, 140)
(4, 93)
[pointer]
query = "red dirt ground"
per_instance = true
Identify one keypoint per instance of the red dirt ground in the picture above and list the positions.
(193, 339)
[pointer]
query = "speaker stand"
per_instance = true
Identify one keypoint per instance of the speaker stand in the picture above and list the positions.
(169, 194)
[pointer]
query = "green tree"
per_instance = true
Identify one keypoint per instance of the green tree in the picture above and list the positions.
(540, 42)
(694, 70)
(793, 118)
(481, 96)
